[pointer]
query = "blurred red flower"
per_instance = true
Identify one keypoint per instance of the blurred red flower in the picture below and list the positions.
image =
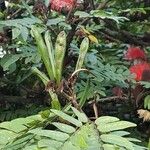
(139, 71)
(135, 53)
(59, 5)
(117, 91)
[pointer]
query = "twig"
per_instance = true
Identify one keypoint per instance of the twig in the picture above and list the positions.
(67, 96)
(103, 5)
(124, 36)
(77, 71)
(107, 99)
(92, 4)
(95, 110)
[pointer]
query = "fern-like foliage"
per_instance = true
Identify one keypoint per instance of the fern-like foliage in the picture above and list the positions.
(71, 133)
(145, 84)
(20, 26)
(102, 77)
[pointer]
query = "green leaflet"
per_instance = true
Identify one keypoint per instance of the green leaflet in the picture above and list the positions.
(121, 133)
(67, 117)
(147, 102)
(108, 147)
(117, 140)
(4, 134)
(106, 119)
(8, 60)
(49, 143)
(64, 127)
(113, 126)
(56, 135)
(81, 116)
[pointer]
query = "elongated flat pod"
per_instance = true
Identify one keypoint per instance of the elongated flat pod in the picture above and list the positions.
(42, 49)
(83, 50)
(49, 45)
(60, 49)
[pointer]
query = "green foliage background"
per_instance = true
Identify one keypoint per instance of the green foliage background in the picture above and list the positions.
(111, 26)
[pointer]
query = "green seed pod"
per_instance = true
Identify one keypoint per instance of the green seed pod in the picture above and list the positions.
(83, 50)
(43, 51)
(49, 45)
(60, 49)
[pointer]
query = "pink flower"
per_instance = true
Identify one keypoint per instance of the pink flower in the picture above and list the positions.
(59, 5)
(135, 53)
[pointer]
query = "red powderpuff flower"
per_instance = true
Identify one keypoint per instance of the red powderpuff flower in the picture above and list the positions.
(135, 53)
(139, 70)
(60, 5)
